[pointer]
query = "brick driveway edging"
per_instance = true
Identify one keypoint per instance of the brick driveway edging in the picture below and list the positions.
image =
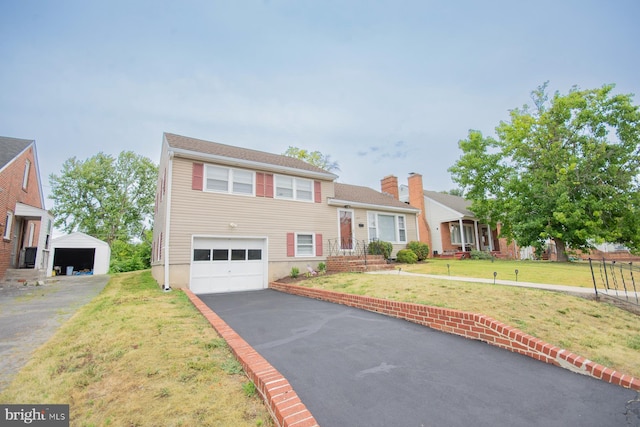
(469, 325)
(286, 408)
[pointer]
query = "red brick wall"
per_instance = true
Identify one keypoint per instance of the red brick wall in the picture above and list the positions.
(445, 235)
(12, 192)
(469, 325)
(610, 256)
(416, 199)
(389, 185)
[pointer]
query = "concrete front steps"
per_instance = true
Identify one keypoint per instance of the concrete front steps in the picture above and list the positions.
(357, 264)
(22, 276)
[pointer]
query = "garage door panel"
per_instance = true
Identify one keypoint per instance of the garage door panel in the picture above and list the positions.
(227, 265)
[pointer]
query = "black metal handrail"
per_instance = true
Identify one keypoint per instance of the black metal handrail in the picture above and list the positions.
(348, 247)
(616, 279)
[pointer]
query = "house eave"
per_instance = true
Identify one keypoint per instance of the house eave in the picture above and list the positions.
(343, 203)
(230, 161)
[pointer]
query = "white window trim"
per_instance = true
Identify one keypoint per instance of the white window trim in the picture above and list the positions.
(294, 183)
(230, 173)
(395, 224)
(313, 245)
(25, 178)
(353, 226)
(8, 225)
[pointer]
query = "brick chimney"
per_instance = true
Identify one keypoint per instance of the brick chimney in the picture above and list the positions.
(389, 185)
(416, 199)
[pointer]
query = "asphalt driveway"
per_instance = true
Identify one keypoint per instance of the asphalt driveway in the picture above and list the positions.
(356, 368)
(30, 315)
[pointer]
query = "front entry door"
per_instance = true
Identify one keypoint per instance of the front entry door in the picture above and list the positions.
(346, 229)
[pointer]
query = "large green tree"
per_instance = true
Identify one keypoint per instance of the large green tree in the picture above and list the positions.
(315, 158)
(566, 170)
(106, 197)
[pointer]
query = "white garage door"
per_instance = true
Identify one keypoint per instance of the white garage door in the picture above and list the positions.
(227, 265)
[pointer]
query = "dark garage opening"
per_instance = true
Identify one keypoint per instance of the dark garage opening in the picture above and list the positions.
(81, 259)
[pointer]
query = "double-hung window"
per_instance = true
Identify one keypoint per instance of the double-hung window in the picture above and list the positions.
(288, 187)
(387, 227)
(305, 244)
(229, 180)
(469, 236)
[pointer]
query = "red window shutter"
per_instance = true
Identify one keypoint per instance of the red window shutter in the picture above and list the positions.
(317, 185)
(197, 176)
(318, 244)
(268, 185)
(259, 184)
(291, 244)
(264, 185)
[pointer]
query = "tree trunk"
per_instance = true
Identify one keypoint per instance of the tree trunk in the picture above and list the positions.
(561, 251)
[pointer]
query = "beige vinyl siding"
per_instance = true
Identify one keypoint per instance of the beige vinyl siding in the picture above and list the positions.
(205, 213)
(202, 213)
(362, 233)
(161, 207)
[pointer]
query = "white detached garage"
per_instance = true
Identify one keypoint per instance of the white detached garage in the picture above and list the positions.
(79, 253)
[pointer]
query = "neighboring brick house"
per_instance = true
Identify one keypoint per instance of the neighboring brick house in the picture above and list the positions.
(26, 226)
(231, 219)
(450, 228)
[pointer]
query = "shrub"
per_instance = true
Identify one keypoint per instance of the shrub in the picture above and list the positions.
(378, 247)
(406, 256)
(322, 268)
(420, 249)
(295, 272)
(480, 255)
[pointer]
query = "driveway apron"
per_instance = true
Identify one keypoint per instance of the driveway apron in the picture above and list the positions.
(356, 368)
(30, 315)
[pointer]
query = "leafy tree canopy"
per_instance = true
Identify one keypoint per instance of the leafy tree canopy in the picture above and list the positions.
(454, 192)
(315, 158)
(106, 197)
(566, 169)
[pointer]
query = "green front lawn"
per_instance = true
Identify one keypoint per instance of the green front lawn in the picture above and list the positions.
(568, 274)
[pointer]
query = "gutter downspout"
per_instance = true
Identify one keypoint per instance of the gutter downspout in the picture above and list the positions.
(167, 224)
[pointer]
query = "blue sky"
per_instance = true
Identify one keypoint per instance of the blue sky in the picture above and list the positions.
(383, 87)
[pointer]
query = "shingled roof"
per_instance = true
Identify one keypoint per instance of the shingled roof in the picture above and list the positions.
(10, 148)
(216, 149)
(368, 196)
(456, 203)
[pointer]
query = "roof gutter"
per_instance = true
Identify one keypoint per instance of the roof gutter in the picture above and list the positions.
(197, 155)
(342, 203)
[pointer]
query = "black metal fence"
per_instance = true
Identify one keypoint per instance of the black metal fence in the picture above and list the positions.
(616, 279)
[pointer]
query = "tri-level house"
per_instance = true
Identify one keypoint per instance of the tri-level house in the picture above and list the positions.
(450, 228)
(232, 219)
(25, 226)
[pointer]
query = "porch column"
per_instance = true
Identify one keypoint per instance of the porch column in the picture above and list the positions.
(490, 238)
(475, 227)
(464, 248)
